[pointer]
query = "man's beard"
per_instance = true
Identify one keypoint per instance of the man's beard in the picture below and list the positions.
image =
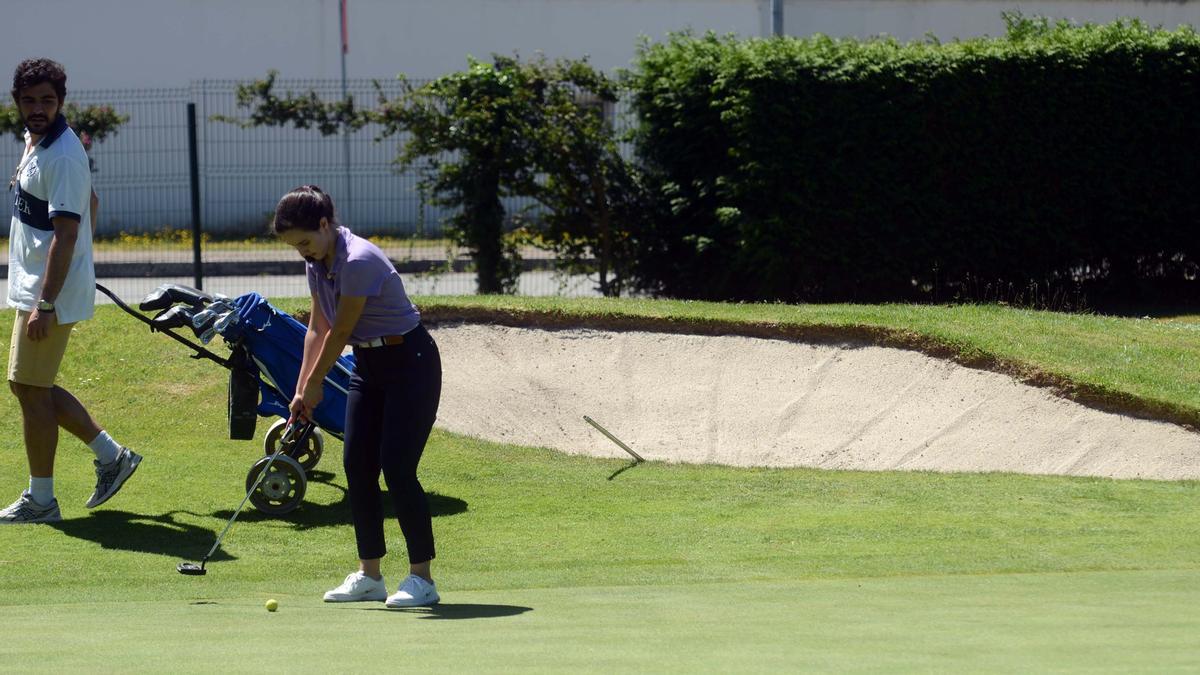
(37, 125)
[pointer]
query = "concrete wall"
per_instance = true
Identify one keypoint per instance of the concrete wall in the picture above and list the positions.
(114, 50)
(909, 20)
(169, 43)
(157, 43)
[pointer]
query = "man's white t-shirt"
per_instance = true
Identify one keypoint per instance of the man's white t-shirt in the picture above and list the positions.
(55, 181)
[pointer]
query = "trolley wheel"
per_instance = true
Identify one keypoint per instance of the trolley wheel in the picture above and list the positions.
(308, 455)
(281, 490)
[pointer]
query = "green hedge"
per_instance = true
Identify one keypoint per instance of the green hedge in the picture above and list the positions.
(822, 169)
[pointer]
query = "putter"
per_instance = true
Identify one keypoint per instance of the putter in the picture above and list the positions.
(290, 438)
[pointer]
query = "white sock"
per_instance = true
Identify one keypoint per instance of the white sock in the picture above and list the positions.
(42, 490)
(105, 447)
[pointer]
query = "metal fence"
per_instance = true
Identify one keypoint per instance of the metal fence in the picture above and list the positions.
(246, 170)
(143, 179)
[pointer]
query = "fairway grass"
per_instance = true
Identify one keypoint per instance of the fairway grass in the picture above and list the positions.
(551, 562)
(547, 565)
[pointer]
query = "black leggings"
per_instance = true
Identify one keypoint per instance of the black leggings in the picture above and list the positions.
(394, 393)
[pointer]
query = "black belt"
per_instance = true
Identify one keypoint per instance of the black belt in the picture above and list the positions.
(385, 341)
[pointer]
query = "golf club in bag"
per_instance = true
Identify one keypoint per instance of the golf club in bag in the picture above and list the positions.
(296, 433)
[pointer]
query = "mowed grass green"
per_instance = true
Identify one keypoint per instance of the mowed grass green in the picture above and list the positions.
(1127, 622)
(550, 562)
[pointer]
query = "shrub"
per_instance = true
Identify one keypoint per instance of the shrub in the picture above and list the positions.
(823, 169)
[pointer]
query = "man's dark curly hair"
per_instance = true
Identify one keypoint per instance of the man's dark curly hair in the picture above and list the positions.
(32, 72)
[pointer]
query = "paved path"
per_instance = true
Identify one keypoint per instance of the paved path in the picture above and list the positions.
(133, 272)
(133, 289)
(147, 261)
(276, 253)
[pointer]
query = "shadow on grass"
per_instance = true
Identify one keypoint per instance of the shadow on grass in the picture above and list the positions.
(160, 535)
(623, 469)
(1146, 309)
(444, 610)
(308, 516)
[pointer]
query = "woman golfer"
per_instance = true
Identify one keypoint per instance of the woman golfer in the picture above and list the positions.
(359, 300)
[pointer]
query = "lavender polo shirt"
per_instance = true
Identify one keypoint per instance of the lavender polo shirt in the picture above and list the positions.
(361, 269)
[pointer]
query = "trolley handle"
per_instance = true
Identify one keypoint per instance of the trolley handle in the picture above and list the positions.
(201, 352)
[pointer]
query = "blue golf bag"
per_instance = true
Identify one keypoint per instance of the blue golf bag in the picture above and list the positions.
(271, 346)
(266, 351)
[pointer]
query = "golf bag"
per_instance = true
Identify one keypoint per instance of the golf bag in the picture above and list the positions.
(266, 352)
(268, 345)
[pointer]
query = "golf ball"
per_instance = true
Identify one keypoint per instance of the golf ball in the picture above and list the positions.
(272, 605)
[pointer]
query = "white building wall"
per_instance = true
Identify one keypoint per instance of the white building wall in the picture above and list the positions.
(111, 47)
(909, 20)
(160, 43)
(168, 43)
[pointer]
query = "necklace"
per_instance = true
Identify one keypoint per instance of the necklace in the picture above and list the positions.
(12, 182)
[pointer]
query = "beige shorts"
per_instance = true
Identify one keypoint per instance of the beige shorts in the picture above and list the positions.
(36, 363)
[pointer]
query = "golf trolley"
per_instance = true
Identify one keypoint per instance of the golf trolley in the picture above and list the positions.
(266, 351)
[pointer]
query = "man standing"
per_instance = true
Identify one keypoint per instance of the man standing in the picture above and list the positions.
(52, 285)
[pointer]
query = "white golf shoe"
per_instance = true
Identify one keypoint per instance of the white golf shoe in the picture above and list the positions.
(26, 510)
(414, 592)
(110, 477)
(358, 587)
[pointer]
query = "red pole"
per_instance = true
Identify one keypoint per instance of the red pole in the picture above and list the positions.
(345, 24)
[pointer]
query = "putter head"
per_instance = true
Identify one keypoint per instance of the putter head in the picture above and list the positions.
(191, 569)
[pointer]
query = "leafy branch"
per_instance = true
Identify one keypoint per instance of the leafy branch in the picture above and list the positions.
(508, 128)
(92, 123)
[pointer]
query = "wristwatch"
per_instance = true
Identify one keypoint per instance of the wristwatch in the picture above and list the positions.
(45, 306)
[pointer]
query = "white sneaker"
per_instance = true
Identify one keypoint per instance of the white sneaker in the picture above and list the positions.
(25, 510)
(110, 477)
(358, 587)
(414, 592)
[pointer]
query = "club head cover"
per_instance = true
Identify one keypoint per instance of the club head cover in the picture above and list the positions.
(173, 317)
(169, 294)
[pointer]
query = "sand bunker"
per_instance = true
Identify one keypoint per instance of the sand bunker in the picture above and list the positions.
(755, 402)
